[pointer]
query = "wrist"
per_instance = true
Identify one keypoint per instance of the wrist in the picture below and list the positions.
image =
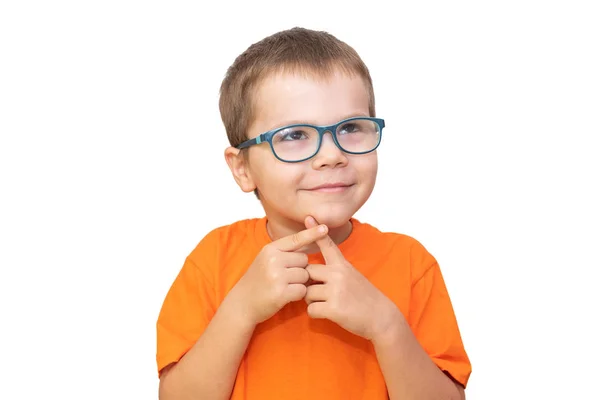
(236, 311)
(389, 327)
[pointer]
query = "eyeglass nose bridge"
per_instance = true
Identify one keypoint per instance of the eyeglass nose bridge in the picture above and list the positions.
(332, 129)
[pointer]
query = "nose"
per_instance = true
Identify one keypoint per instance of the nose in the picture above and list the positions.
(329, 155)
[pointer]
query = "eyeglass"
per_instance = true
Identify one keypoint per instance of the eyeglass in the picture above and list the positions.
(300, 142)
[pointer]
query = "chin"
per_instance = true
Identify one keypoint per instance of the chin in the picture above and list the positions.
(333, 219)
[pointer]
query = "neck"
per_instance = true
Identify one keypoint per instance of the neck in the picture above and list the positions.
(279, 227)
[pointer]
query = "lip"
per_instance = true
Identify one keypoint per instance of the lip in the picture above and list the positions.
(331, 187)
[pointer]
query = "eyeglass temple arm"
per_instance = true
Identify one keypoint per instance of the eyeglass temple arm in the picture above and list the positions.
(250, 142)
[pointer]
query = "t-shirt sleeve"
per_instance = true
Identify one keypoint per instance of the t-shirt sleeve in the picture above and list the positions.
(188, 306)
(434, 323)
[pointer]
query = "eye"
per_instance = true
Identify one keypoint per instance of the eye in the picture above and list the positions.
(289, 135)
(349, 127)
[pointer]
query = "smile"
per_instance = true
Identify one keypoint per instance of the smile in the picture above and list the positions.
(331, 188)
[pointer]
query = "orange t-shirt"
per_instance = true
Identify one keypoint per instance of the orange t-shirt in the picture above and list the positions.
(292, 356)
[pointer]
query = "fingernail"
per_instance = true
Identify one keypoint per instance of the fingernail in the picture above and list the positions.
(322, 228)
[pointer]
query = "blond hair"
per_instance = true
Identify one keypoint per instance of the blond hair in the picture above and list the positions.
(297, 50)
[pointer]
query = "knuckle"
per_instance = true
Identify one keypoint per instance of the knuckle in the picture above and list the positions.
(304, 258)
(296, 239)
(302, 291)
(266, 248)
(279, 290)
(335, 296)
(269, 250)
(308, 294)
(273, 275)
(337, 275)
(305, 275)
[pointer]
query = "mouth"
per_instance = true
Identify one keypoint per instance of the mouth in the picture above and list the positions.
(336, 187)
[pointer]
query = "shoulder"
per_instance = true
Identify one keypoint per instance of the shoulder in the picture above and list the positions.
(229, 238)
(400, 241)
(245, 227)
(397, 246)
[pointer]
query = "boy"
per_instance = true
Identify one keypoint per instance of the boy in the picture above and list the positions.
(307, 302)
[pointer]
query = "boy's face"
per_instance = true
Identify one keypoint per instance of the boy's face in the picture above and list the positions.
(289, 191)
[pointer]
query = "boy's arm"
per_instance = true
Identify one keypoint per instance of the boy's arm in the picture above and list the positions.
(422, 355)
(209, 368)
(412, 369)
(408, 370)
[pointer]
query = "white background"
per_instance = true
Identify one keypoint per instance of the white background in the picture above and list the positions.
(112, 169)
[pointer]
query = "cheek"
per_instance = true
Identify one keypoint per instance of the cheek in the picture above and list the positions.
(277, 180)
(366, 167)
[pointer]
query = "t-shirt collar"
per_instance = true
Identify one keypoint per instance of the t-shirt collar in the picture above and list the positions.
(346, 247)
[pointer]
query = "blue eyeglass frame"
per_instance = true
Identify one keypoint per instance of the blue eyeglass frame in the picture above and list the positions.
(268, 137)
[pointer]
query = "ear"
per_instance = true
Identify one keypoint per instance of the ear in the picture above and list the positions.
(239, 169)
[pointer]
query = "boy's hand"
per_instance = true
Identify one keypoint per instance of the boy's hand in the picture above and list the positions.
(277, 276)
(343, 295)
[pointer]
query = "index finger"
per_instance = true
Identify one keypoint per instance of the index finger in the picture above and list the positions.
(331, 252)
(300, 239)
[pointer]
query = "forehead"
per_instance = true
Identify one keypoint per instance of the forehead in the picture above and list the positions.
(283, 98)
